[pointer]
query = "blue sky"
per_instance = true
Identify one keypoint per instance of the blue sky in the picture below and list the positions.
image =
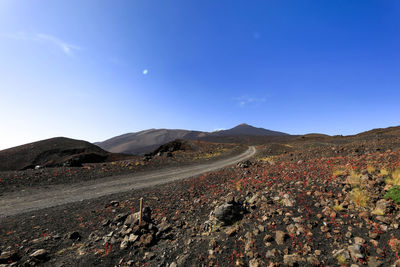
(93, 69)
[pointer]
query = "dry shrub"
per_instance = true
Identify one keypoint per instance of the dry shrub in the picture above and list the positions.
(378, 211)
(269, 159)
(354, 179)
(395, 178)
(339, 172)
(338, 208)
(383, 172)
(359, 197)
(370, 169)
(341, 259)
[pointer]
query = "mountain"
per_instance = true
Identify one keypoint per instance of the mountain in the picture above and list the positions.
(52, 152)
(148, 140)
(145, 141)
(245, 129)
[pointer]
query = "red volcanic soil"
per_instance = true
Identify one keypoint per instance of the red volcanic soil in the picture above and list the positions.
(295, 204)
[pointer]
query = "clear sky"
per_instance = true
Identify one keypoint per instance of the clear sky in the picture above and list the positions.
(93, 69)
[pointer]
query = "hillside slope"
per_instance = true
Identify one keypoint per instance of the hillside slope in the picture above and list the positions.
(145, 141)
(148, 140)
(52, 152)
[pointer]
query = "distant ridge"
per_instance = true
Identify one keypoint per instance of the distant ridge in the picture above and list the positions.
(146, 141)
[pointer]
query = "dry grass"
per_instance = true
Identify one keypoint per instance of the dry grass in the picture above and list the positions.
(395, 178)
(339, 172)
(267, 159)
(354, 178)
(383, 172)
(338, 208)
(378, 212)
(341, 259)
(371, 169)
(208, 156)
(238, 186)
(359, 197)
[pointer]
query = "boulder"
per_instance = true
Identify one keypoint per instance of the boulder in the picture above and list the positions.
(228, 213)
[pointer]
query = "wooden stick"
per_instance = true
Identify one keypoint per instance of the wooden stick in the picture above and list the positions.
(141, 211)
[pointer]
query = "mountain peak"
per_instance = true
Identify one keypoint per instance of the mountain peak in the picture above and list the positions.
(246, 129)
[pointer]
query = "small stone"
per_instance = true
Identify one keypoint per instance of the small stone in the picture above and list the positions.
(383, 205)
(231, 231)
(124, 244)
(255, 263)
(356, 252)
(280, 237)
(271, 254)
(373, 235)
(292, 260)
(268, 238)
(253, 199)
(132, 238)
(230, 199)
(40, 254)
(359, 240)
(394, 244)
(149, 255)
(8, 256)
(146, 240)
(373, 262)
(74, 235)
(364, 215)
(105, 222)
(120, 217)
(114, 203)
(383, 219)
(374, 242)
(164, 227)
(312, 260)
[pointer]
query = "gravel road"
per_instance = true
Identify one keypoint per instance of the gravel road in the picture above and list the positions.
(40, 198)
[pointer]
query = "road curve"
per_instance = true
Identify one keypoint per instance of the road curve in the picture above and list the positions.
(36, 199)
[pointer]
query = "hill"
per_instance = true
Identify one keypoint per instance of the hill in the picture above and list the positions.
(245, 129)
(146, 141)
(52, 152)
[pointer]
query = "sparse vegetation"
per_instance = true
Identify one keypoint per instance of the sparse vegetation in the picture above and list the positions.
(383, 172)
(395, 178)
(378, 212)
(359, 197)
(238, 185)
(354, 178)
(341, 259)
(370, 169)
(339, 172)
(394, 194)
(338, 208)
(268, 159)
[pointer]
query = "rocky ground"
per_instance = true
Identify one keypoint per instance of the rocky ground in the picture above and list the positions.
(168, 157)
(295, 204)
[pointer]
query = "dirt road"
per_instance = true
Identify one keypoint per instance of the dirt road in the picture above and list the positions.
(35, 199)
